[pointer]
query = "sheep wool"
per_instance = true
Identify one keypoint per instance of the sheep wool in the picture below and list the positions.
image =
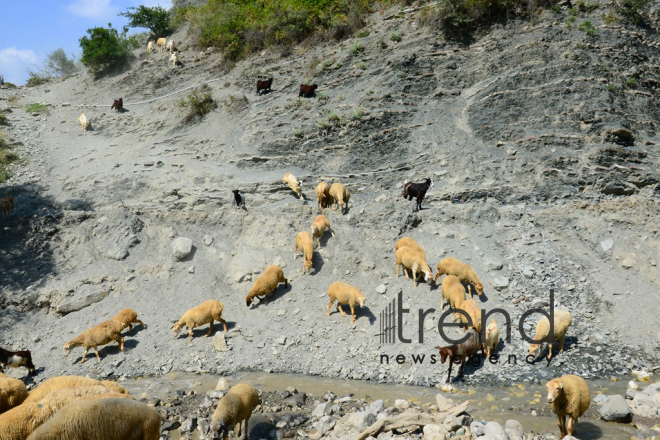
(234, 408)
(453, 266)
(569, 396)
(12, 393)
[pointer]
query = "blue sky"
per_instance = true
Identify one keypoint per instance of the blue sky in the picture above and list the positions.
(33, 28)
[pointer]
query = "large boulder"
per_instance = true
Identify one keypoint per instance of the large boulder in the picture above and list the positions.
(181, 247)
(615, 409)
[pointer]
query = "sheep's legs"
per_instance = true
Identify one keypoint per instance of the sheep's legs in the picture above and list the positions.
(141, 323)
(96, 350)
(414, 274)
(561, 344)
(449, 373)
(246, 428)
(120, 341)
(571, 424)
(329, 305)
(562, 425)
(549, 350)
(190, 334)
(224, 323)
(295, 249)
(353, 315)
(341, 310)
(208, 333)
(84, 356)
(397, 269)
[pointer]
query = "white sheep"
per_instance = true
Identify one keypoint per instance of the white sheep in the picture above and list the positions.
(345, 294)
(161, 42)
(205, 313)
(170, 46)
(150, 46)
(293, 183)
(234, 408)
(174, 59)
(109, 419)
(562, 321)
(491, 337)
(84, 122)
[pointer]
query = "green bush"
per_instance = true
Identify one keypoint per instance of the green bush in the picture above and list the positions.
(198, 103)
(356, 48)
(36, 79)
(156, 19)
(3, 120)
(240, 27)
(10, 85)
(103, 50)
(59, 64)
(588, 28)
(395, 36)
(36, 108)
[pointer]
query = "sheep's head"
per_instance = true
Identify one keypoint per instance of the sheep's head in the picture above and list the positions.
(555, 389)
(308, 266)
(219, 430)
(315, 230)
(248, 301)
(480, 288)
(176, 329)
(67, 349)
(428, 277)
(361, 299)
(314, 87)
(535, 350)
(430, 181)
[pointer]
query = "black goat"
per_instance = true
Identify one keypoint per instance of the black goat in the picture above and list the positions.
(16, 359)
(239, 198)
(417, 190)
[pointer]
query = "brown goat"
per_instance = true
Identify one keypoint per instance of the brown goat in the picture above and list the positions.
(307, 91)
(463, 350)
(118, 105)
(264, 85)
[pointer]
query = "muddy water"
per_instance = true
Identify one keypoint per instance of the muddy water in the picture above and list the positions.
(486, 403)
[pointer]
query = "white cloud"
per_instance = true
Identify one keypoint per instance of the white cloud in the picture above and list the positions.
(94, 9)
(14, 62)
(151, 3)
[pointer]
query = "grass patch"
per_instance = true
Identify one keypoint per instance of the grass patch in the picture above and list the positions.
(322, 96)
(36, 80)
(362, 65)
(199, 103)
(634, 10)
(298, 104)
(235, 104)
(581, 46)
(363, 33)
(10, 85)
(610, 18)
(356, 48)
(241, 27)
(3, 119)
(395, 36)
(611, 88)
(632, 83)
(36, 108)
(588, 28)
(358, 114)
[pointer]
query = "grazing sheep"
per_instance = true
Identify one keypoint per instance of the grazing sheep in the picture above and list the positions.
(463, 350)
(69, 382)
(170, 47)
(84, 122)
(128, 317)
(319, 225)
(12, 393)
(345, 294)
(239, 198)
(453, 266)
(19, 422)
(161, 42)
(102, 334)
(322, 193)
(305, 243)
(417, 190)
(264, 85)
(6, 205)
(233, 408)
(413, 260)
(562, 321)
(340, 196)
(491, 337)
(206, 313)
(470, 307)
(452, 291)
(109, 419)
(409, 242)
(16, 359)
(569, 396)
(174, 59)
(294, 184)
(307, 91)
(118, 104)
(150, 46)
(267, 283)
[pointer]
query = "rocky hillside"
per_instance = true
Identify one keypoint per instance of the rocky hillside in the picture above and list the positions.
(541, 138)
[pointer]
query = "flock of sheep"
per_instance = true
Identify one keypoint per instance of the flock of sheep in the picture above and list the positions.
(76, 407)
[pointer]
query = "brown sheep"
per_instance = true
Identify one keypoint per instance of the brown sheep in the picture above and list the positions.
(267, 283)
(452, 291)
(69, 382)
(453, 266)
(340, 197)
(322, 193)
(345, 294)
(305, 243)
(234, 408)
(319, 225)
(569, 396)
(307, 91)
(562, 321)
(470, 307)
(109, 419)
(128, 317)
(102, 334)
(414, 260)
(19, 422)
(12, 392)
(205, 313)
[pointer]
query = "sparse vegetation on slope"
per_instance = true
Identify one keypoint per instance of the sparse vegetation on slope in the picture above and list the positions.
(198, 103)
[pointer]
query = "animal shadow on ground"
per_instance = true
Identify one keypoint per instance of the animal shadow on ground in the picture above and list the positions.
(468, 369)
(136, 329)
(317, 263)
(259, 427)
(587, 431)
(324, 240)
(200, 332)
(363, 312)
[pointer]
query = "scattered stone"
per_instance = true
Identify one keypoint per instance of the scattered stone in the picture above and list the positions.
(325, 424)
(607, 244)
(319, 411)
(500, 283)
(528, 272)
(281, 340)
(208, 239)
(494, 431)
(402, 404)
(181, 247)
(360, 420)
(452, 423)
(223, 384)
(477, 428)
(434, 432)
(493, 263)
(615, 409)
(382, 288)
(443, 402)
(220, 342)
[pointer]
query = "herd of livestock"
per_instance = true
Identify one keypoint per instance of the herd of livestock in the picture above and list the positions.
(59, 408)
